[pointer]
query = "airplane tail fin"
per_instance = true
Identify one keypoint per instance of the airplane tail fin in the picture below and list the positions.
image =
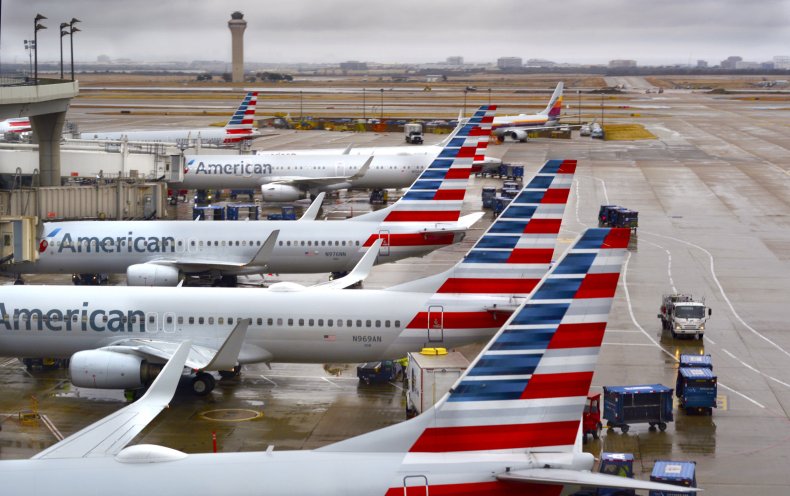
(516, 250)
(527, 388)
(438, 193)
(554, 108)
(241, 121)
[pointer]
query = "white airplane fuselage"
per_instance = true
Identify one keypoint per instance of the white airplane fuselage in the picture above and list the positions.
(206, 135)
(279, 473)
(252, 171)
(301, 325)
(302, 246)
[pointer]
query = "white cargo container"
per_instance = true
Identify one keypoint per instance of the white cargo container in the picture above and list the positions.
(430, 375)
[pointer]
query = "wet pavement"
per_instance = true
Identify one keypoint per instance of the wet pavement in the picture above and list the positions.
(712, 193)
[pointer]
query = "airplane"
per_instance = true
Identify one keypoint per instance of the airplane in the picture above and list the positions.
(516, 127)
(20, 125)
(510, 425)
(160, 253)
(288, 175)
(238, 128)
(116, 337)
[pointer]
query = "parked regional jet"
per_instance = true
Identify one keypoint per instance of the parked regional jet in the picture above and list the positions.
(115, 336)
(509, 425)
(517, 126)
(238, 128)
(160, 253)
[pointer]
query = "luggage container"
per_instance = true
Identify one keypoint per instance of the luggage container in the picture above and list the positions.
(649, 403)
(675, 473)
(620, 464)
(252, 211)
(696, 390)
(687, 360)
(488, 195)
(500, 204)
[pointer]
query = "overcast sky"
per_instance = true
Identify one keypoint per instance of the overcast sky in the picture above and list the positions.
(587, 31)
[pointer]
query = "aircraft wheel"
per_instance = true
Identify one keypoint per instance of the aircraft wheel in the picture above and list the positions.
(230, 374)
(203, 384)
(625, 428)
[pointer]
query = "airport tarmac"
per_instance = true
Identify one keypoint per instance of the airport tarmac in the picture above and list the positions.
(712, 195)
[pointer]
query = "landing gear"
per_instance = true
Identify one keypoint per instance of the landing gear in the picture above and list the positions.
(203, 383)
(226, 281)
(19, 281)
(230, 374)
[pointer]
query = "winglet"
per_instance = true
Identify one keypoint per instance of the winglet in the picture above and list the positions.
(359, 273)
(347, 151)
(228, 355)
(312, 211)
(109, 435)
(265, 252)
(362, 170)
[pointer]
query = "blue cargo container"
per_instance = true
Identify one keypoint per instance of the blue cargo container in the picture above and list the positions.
(696, 389)
(488, 195)
(675, 473)
(253, 211)
(500, 204)
(649, 403)
(696, 361)
(620, 464)
(214, 212)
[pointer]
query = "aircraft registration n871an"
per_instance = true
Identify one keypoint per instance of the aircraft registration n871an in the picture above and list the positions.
(112, 334)
(159, 253)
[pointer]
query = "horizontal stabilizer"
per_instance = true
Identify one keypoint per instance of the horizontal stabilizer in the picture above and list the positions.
(584, 478)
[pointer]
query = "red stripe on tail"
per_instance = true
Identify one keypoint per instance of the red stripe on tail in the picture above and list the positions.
(557, 385)
(495, 437)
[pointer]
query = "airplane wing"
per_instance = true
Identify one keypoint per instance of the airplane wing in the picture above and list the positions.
(309, 182)
(583, 478)
(111, 434)
(359, 273)
(312, 212)
(260, 258)
(198, 357)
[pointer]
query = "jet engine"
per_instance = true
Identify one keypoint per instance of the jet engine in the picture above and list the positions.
(151, 274)
(280, 193)
(110, 370)
(517, 134)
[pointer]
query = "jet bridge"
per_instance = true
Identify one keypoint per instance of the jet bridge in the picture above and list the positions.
(18, 239)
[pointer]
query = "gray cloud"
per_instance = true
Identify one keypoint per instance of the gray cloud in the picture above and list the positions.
(409, 30)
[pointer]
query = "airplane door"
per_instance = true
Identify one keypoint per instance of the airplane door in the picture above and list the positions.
(415, 485)
(435, 324)
(384, 250)
(152, 322)
(340, 169)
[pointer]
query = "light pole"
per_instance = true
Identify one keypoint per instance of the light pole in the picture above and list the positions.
(579, 94)
(601, 110)
(363, 106)
(29, 48)
(36, 28)
(73, 30)
(62, 34)
(300, 108)
(381, 121)
(465, 102)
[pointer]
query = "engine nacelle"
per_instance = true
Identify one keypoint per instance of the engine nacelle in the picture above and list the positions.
(110, 370)
(517, 134)
(280, 193)
(151, 274)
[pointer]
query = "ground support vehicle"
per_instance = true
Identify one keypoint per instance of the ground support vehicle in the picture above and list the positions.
(626, 405)
(683, 315)
(591, 417)
(675, 473)
(696, 390)
(412, 132)
(287, 212)
(377, 372)
(430, 374)
(488, 195)
(617, 216)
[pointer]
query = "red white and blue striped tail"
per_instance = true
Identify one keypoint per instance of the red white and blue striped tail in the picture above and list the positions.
(438, 194)
(527, 388)
(516, 251)
(241, 122)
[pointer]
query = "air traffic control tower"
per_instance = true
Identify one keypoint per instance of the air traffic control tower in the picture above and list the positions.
(237, 25)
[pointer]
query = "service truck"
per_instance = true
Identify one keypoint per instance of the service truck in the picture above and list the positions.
(413, 133)
(430, 375)
(682, 315)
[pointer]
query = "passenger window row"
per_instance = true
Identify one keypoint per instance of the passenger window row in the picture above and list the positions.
(316, 243)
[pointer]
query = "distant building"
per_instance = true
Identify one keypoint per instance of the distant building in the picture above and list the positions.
(455, 61)
(745, 64)
(509, 62)
(730, 62)
(540, 63)
(353, 65)
(702, 64)
(782, 62)
(618, 63)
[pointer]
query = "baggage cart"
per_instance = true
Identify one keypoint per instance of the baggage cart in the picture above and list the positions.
(626, 405)
(696, 390)
(675, 473)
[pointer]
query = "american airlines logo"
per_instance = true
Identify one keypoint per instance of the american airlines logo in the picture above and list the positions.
(117, 244)
(237, 168)
(78, 319)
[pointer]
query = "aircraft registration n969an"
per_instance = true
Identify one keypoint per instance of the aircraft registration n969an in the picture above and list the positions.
(160, 253)
(509, 426)
(113, 334)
